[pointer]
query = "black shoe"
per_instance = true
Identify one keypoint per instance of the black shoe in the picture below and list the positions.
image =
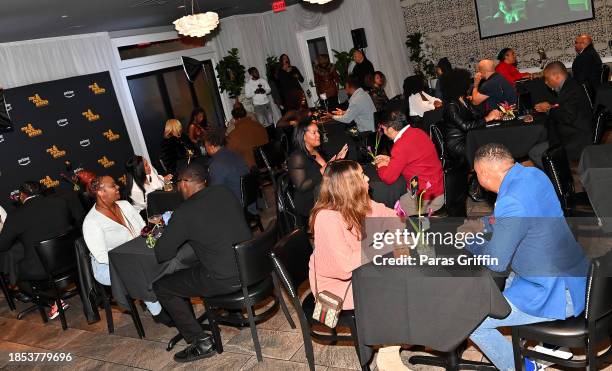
(200, 348)
(164, 318)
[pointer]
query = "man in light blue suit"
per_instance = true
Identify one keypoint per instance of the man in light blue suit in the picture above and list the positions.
(531, 237)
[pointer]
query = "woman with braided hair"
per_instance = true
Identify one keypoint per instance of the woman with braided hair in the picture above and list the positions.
(112, 222)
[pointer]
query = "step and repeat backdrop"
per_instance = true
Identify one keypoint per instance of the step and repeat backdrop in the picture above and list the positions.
(77, 119)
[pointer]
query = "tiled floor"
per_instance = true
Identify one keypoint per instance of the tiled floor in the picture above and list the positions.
(92, 348)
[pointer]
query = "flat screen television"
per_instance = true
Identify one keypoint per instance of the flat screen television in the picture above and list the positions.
(501, 17)
(5, 117)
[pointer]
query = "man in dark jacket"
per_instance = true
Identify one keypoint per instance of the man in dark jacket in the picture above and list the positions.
(225, 166)
(38, 219)
(586, 68)
(212, 221)
(570, 119)
(363, 69)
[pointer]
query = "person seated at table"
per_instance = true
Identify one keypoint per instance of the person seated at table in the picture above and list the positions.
(337, 222)
(418, 100)
(142, 179)
(507, 66)
(460, 116)
(306, 165)
(413, 155)
(570, 119)
(586, 68)
(38, 218)
(443, 67)
(110, 223)
(174, 147)
(361, 108)
(491, 88)
(212, 234)
(246, 135)
(378, 94)
(530, 237)
(225, 167)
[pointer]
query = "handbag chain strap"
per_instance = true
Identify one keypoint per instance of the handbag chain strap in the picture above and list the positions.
(314, 261)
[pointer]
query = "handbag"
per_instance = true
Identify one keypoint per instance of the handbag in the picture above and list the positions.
(327, 305)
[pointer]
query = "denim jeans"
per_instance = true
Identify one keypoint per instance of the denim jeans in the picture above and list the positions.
(495, 346)
(101, 273)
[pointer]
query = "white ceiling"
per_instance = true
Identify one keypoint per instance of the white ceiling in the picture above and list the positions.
(34, 19)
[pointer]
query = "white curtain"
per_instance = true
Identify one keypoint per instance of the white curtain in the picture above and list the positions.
(260, 35)
(35, 61)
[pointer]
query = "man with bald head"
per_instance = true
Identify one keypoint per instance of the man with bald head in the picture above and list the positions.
(491, 88)
(586, 68)
(570, 119)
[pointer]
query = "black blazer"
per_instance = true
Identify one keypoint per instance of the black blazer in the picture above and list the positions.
(211, 221)
(571, 123)
(458, 120)
(305, 174)
(586, 68)
(40, 218)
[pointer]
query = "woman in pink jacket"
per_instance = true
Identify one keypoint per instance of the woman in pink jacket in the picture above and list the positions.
(337, 222)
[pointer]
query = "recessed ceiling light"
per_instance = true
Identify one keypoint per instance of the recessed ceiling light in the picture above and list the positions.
(180, 6)
(65, 16)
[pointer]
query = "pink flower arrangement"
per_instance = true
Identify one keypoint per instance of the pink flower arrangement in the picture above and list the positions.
(379, 133)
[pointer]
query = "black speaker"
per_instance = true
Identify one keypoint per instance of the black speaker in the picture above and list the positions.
(359, 38)
(191, 67)
(5, 118)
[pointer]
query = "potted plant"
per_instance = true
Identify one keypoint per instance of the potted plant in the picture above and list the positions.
(231, 74)
(421, 53)
(342, 62)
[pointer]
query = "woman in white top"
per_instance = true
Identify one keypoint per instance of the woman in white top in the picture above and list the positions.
(419, 101)
(142, 179)
(108, 224)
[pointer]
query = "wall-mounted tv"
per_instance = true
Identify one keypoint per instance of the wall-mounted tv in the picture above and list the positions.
(501, 17)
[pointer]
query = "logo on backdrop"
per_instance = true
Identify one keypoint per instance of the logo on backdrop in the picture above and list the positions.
(69, 94)
(85, 143)
(56, 152)
(24, 161)
(105, 162)
(38, 101)
(90, 116)
(110, 135)
(62, 122)
(123, 179)
(48, 182)
(31, 131)
(97, 89)
(14, 195)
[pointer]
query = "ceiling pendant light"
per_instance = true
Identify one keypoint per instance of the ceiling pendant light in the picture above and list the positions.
(196, 24)
(318, 1)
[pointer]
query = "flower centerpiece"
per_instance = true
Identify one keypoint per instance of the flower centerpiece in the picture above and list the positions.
(374, 152)
(508, 111)
(422, 223)
(153, 230)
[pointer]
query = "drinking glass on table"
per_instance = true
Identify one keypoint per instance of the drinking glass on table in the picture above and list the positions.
(155, 219)
(168, 187)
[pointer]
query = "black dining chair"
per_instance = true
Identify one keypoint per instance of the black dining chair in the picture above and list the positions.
(249, 192)
(605, 73)
(290, 257)
(270, 159)
(7, 293)
(286, 215)
(586, 331)
(601, 117)
(258, 283)
(556, 166)
(59, 262)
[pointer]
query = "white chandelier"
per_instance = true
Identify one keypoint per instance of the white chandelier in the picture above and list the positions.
(318, 1)
(197, 25)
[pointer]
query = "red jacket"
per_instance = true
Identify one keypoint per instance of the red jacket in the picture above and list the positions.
(510, 72)
(415, 154)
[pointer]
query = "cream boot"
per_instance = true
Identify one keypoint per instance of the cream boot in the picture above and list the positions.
(389, 359)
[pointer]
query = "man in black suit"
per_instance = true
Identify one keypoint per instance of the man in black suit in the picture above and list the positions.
(586, 68)
(212, 221)
(570, 119)
(39, 218)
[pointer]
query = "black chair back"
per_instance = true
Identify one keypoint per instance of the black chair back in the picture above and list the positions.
(600, 124)
(605, 73)
(88, 288)
(290, 257)
(253, 257)
(556, 166)
(438, 139)
(285, 207)
(271, 155)
(57, 255)
(249, 189)
(587, 91)
(599, 299)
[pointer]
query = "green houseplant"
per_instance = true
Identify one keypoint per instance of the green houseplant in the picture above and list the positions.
(231, 74)
(421, 54)
(343, 60)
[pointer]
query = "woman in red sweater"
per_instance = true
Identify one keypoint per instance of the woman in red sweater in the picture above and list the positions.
(507, 66)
